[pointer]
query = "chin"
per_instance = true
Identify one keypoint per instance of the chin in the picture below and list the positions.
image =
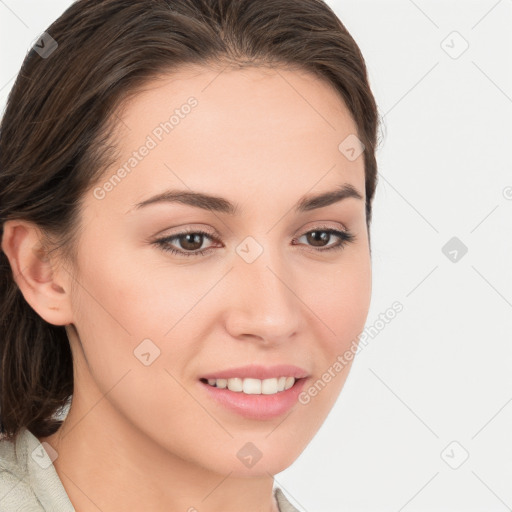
(257, 458)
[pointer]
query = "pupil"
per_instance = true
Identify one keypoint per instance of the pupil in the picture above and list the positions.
(319, 236)
(191, 244)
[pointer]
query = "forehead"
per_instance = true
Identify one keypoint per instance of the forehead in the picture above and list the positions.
(223, 130)
(260, 97)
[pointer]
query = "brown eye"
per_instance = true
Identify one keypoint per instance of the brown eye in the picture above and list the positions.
(319, 238)
(189, 243)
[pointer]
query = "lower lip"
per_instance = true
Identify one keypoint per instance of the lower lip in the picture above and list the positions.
(258, 407)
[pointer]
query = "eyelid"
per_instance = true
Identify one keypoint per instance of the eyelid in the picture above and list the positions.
(214, 234)
(322, 225)
(188, 228)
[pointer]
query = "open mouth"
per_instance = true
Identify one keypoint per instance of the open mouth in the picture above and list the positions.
(251, 386)
(256, 399)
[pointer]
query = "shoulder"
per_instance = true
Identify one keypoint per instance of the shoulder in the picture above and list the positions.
(28, 480)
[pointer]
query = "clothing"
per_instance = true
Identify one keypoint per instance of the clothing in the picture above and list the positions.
(283, 504)
(30, 483)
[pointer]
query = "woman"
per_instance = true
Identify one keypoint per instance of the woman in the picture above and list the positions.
(185, 201)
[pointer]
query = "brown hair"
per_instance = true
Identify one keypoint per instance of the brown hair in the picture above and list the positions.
(56, 138)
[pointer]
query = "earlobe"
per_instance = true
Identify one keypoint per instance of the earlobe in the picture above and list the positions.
(33, 272)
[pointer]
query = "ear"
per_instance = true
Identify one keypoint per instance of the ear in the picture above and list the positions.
(45, 291)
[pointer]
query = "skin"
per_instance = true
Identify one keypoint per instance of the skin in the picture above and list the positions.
(147, 437)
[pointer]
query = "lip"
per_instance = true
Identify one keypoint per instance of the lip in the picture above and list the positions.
(256, 407)
(255, 371)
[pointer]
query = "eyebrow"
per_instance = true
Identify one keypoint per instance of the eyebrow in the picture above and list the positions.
(222, 205)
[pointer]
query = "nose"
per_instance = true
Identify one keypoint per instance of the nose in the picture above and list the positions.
(262, 303)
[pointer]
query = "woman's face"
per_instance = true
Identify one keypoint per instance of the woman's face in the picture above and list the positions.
(272, 287)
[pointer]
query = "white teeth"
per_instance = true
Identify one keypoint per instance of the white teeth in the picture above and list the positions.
(235, 384)
(289, 382)
(254, 386)
(269, 386)
(221, 383)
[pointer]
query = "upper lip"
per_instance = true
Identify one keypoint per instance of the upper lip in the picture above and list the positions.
(261, 372)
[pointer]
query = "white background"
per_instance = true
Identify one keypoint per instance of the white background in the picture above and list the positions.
(441, 370)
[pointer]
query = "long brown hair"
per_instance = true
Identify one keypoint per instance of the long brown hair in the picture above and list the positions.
(56, 138)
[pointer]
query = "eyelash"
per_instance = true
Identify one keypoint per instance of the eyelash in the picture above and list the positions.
(345, 237)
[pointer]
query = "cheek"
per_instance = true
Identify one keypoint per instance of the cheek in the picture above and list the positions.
(132, 293)
(122, 317)
(126, 309)
(341, 300)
